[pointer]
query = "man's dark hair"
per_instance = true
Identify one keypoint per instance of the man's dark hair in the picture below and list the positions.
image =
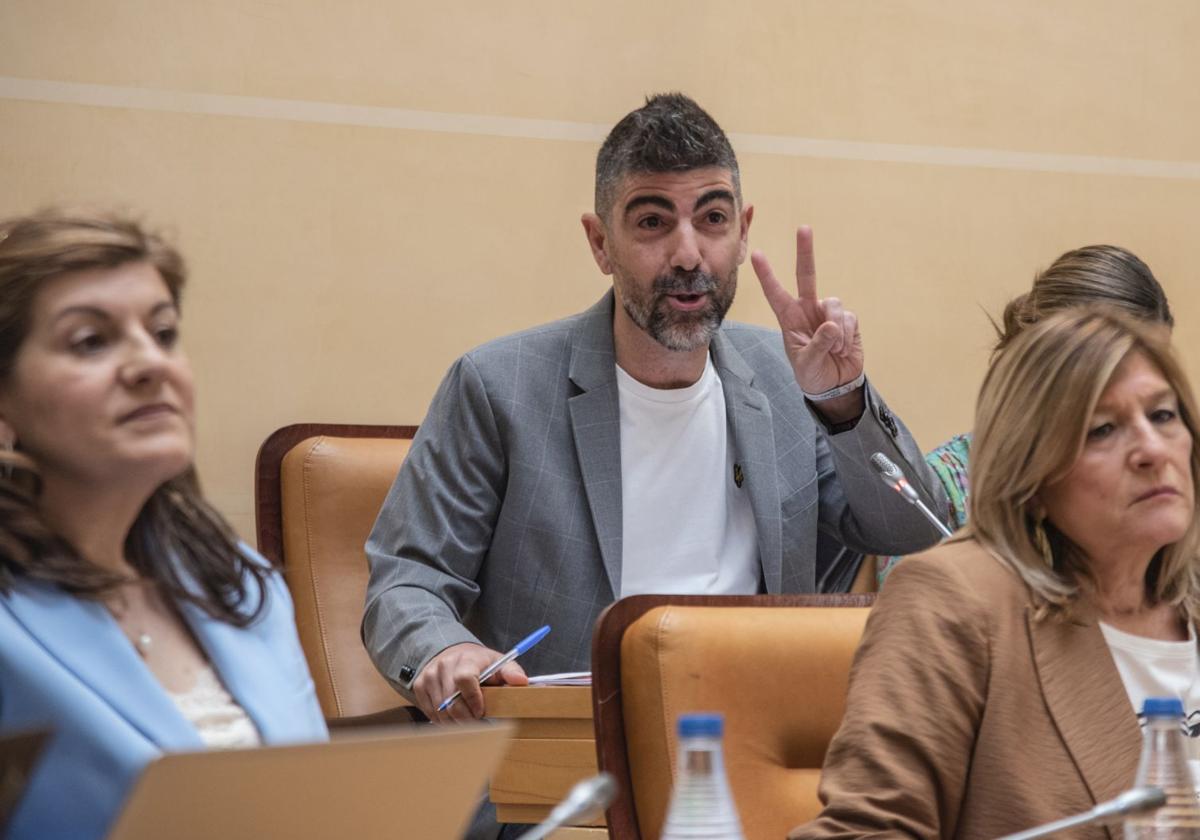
(670, 133)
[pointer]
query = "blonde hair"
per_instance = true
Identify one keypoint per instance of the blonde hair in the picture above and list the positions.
(1031, 424)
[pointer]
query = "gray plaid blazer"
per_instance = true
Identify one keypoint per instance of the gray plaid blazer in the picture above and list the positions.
(506, 514)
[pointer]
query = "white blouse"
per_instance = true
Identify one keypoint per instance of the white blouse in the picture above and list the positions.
(1157, 668)
(221, 722)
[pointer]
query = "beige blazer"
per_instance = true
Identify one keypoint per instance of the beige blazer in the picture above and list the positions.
(968, 718)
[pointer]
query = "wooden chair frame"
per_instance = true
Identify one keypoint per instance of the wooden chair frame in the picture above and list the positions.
(268, 508)
(268, 504)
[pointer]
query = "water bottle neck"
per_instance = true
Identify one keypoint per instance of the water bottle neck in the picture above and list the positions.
(1163, 732)
(700, 755)
(1164, 722)
(700, 742)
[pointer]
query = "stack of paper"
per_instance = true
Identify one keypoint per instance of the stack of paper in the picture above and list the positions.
(567, 678)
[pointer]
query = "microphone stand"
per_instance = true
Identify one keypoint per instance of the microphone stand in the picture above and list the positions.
(937, 523)
(1136, 801)
(590, 795)
(1086, 818)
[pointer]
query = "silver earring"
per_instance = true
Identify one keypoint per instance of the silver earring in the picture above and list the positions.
(7, 453)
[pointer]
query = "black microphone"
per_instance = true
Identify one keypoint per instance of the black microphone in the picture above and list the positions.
(589, 796)
(893, 477)
(1136, 801)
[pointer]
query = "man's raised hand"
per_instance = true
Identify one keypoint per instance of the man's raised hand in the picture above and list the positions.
(820, 337)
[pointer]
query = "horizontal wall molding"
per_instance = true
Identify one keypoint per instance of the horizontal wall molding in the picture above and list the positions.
(332, 113)
(293, 110)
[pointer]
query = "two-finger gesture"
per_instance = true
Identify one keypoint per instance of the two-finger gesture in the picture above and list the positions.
(820, 337)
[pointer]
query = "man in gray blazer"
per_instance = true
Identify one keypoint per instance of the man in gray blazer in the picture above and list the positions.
(642, 445)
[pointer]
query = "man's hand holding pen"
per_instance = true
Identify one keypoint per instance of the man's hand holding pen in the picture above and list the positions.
(460, 671)
(457, 668)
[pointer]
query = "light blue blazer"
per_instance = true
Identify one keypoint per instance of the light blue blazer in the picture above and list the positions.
(66, 665)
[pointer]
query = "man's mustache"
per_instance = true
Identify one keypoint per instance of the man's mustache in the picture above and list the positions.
(684, 283)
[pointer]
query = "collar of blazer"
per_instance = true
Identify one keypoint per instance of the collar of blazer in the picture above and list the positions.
(1087, 701)
(85, 640)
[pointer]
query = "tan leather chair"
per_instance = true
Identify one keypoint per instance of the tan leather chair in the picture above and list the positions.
(318, 489)
(777, 667)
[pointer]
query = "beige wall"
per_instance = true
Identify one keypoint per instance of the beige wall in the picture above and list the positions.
(365, 189)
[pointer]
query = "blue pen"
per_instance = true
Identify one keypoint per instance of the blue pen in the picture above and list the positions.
(522, 646)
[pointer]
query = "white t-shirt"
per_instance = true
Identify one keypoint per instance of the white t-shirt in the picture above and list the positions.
(1157, 668)
(687, 527)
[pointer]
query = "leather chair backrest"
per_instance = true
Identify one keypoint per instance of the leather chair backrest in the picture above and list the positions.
(779, 676)
(331, 489)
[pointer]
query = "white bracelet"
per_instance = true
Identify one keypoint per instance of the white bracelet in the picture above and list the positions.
(853, 385)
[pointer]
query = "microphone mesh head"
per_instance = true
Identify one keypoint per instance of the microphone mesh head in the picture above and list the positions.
(606, 790)
(592, 794)
(886, 469)
(1141, 799)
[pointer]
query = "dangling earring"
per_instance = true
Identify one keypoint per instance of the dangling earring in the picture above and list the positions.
(1041, 541)
(12, 460)
(7, 451)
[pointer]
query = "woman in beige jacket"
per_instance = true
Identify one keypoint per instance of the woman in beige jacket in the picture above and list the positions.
(998, 680)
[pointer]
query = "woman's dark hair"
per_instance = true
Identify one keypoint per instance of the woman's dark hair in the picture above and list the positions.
(1103, 274)
(178, 540)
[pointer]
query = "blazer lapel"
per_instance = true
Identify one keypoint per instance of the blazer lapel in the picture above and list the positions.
(1087, 701)
(596, 427)
(85, 639)
(753, 441)
(249, 670)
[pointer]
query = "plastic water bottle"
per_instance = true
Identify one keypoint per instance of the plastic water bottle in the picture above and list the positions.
(702, 803)
(1164, 764)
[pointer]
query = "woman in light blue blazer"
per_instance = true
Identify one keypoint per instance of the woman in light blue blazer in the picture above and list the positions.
(132, 621)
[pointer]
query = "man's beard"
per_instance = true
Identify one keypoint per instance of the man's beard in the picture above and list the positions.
(675, 329)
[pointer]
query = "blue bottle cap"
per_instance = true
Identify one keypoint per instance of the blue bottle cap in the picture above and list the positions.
(1163, 707)
(703, 725)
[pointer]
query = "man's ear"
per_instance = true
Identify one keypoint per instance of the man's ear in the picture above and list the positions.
(597, 237)
(744, 219)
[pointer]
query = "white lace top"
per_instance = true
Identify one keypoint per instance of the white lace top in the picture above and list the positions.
(221, 722)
